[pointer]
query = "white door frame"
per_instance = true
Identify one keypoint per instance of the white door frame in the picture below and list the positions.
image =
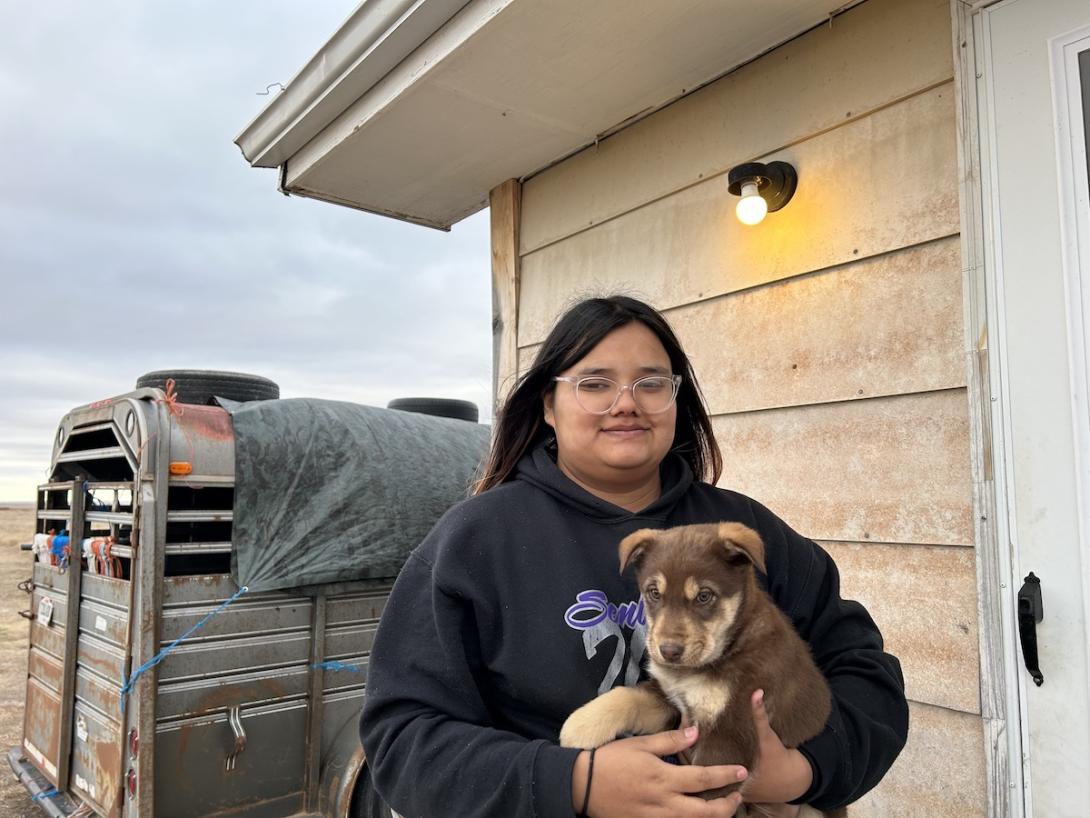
(1003, 679)
(1072, 176)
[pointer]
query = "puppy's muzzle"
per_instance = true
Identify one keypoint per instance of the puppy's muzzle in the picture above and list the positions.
(671, 652)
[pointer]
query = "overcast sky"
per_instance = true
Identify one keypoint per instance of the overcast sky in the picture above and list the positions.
(134, 236)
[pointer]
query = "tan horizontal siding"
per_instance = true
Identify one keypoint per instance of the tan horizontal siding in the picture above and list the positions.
(886, 470)
(885, 326)
(879, 52)
(828, 339)
(874, 185)
(939, 773)
(882, 326)
(923, 599)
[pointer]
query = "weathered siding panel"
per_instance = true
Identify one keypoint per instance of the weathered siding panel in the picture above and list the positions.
(940, 772)
(840, 334)
(892, 470)
(874, 185)
(924, 600)
(875, 54)
(884, 326)
(828, 339)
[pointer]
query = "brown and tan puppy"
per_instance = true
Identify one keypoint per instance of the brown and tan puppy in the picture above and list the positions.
(713, 637)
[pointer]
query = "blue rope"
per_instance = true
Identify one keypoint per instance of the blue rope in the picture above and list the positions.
(333, 664)
(161, 655)
(53, 793)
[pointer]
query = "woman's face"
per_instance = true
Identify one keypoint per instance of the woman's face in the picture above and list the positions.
(625, 445)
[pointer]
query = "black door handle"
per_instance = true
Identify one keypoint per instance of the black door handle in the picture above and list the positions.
(1031, 610)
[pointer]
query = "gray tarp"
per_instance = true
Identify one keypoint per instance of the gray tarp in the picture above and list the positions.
(327, 491)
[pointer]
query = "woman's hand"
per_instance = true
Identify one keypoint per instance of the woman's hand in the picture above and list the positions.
(779, 775)
(631, 780)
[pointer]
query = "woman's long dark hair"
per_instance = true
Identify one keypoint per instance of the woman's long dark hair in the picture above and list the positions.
(520, 423)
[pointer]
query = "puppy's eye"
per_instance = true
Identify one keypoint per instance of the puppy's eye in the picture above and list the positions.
(704, 597)
(653, 594)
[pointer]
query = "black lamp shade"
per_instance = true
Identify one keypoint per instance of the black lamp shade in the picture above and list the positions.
(776, 181)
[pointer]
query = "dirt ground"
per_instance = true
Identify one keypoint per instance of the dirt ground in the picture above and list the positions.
(16, 526)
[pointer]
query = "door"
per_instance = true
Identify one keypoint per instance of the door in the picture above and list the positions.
(1033, 97)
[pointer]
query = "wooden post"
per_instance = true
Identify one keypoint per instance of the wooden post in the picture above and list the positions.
(505, 201)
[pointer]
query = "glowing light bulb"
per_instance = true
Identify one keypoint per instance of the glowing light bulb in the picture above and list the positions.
(751, 207)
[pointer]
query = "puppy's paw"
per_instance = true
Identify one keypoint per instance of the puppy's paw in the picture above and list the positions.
(588, 727)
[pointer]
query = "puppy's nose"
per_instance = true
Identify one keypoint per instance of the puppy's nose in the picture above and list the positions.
(671, 652)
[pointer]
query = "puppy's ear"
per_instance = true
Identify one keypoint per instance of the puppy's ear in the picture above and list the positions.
(743, 542)
(634, 546)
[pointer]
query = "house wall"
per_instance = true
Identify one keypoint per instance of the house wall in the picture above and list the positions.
(829, 339)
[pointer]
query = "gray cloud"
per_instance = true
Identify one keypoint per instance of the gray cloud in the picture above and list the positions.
(133, 236)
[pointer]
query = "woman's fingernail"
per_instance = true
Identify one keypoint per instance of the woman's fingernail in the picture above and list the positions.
(742, 773)
(690, 732)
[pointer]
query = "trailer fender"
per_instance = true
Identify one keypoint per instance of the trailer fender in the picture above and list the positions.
(340, 771)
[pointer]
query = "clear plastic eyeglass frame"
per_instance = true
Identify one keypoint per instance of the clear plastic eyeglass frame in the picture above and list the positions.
(675, 382)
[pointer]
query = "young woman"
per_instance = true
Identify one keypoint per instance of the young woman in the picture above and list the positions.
(512, 614)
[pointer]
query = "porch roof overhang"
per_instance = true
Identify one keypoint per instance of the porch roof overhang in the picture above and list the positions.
(416, 109)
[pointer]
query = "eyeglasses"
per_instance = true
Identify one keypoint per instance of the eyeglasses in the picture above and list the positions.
(598, 395)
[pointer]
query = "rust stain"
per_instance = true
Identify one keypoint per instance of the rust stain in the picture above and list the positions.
(223, 698)
(209, 422)
(46, 668)
(102, 758)
(42, 725)
(340, 788)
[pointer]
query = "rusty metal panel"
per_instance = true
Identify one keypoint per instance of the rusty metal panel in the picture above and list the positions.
(46, 576)
(101, 657)
(195, 750)
(366, 607)
(45, 674)
(108, 624)
(203, 660)
(880, 52)
(45, 668)
(882, 326)
(689, 246)
(49, 639)
(41, 726)
(60, 608)
(96, 753)
(244, 617)
(924, 600)
(111, 592)
(886, 470)
(224, 691)
(353, 641)
(249, 616)
(946, 749)
(102, 694)
(217, 669)
(180, 591)
(340, 707)
(204, 437)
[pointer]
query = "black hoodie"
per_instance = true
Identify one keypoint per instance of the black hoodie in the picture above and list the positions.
(511, 614)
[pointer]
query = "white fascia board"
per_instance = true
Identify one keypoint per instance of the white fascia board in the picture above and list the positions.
(375, 38)
(457, 32)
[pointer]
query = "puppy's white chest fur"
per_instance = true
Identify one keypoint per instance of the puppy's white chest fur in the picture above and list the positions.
(698, 698)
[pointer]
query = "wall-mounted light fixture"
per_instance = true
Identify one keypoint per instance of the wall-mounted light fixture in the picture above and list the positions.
(763, 188)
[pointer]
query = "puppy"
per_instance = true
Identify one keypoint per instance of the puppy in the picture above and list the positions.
(713, 637)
